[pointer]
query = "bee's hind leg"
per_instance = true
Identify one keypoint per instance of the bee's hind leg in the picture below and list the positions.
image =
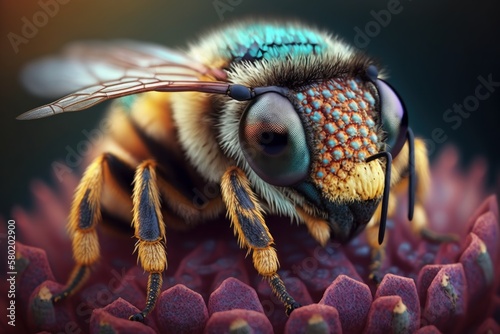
(150, 232)
(248, 222)
(84, 216)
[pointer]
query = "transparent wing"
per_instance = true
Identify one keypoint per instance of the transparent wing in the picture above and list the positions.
(101, 71)
(85, 64)
(90, 96)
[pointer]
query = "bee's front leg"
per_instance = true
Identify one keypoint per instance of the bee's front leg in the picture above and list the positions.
(248, 222)
(150, 232)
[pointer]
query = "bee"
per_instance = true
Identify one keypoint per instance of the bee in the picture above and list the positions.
(284, 118)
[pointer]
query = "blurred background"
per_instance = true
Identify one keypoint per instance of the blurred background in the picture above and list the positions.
(435, 53)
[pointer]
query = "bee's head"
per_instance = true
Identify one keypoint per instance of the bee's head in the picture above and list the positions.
(318, 119)
(316, 141)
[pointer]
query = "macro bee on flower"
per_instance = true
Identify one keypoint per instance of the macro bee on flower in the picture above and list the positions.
(286, 119)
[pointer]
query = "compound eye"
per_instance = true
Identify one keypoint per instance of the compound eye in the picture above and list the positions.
(273, 141)
(394, 116)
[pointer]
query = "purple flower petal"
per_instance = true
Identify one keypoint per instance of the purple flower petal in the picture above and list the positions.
(428, 330)
(314, 318)
(238, 321)
(479, 272)
(487, 228)
(32, 268)
(352, 299)
(121, 308)
(488, 205)
(488, 326)
(44, 315)
(233, 294)
(181, 310)
(104, 320)
(388, 314)
(425, 278)
(446, 304)
(393, 285)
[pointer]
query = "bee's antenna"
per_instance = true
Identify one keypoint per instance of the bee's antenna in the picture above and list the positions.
(411, 162)
(387, 188)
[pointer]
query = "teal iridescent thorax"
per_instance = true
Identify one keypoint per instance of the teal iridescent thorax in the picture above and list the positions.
(340, 115)
(264, 41)
(127, 102)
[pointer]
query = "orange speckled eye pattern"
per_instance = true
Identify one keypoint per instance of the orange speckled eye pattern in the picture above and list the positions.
(340, 113)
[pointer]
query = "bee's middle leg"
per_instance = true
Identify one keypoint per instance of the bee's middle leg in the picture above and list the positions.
(248, 222)
(150, 232)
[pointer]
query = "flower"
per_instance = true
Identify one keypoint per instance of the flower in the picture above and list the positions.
(210, 287)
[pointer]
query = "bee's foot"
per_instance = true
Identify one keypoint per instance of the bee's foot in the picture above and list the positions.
(291, 307)
(375, 277)
(137, 317)
(432, 236)
(60, 296)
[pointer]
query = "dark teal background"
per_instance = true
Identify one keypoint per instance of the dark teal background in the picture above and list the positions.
(434, 52)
